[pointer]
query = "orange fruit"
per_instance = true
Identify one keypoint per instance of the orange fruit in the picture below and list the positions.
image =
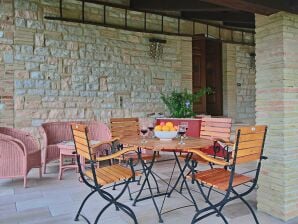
(172, 129)
(157, 128)
(165, 128)
(176, 128)
(162, 123)
(169, 124)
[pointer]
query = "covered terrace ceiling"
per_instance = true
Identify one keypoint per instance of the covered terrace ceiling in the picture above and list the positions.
(234, 13)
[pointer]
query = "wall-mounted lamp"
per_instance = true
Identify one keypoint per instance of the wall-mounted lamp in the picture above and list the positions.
(252, 63)
(156, 48)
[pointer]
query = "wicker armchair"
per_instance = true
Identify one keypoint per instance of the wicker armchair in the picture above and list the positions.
(57, 132)
(19, 153)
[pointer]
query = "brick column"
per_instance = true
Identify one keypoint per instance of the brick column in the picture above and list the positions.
(277, 106)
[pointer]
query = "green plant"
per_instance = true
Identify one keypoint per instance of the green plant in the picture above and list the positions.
(180, 104)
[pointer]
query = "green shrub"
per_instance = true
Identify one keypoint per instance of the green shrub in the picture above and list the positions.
(180, 104)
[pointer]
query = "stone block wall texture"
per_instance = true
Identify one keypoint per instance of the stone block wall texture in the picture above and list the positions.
(6, 64)
(229, 80)
(55, 70)
(66, 71)
(239, 83)
(277, 106)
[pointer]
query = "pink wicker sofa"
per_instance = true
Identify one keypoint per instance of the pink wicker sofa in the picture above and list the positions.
(57, 132)
(19, 153)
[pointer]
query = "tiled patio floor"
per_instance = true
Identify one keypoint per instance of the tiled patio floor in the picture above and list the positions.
(48, 200)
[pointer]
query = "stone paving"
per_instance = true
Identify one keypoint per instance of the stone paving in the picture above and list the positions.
(48, 200)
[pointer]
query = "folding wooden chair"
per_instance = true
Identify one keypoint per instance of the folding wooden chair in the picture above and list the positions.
(217, 129)
(129, 127)
(98, 178)
(248, 148)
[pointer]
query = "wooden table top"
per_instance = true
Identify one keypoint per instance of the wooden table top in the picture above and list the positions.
(170, 145)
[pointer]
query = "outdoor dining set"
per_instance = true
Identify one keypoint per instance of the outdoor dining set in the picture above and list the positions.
(117, 156)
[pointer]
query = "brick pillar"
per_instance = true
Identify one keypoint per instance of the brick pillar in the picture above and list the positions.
(277, 106)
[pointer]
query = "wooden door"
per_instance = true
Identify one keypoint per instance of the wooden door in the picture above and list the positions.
(199, 71)
(214, 77)
(207, 72)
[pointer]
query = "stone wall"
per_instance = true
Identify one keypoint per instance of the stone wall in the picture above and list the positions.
(6, 64)
(68, 71)
(239, 83)
(186, 65)
(277, 106)
(65, 71)
(229, 80)
(246, 91)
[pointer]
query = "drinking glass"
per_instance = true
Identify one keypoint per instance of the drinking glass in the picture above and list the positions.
(185, 124)
(181, 133)
(144, 131)
(151, 128)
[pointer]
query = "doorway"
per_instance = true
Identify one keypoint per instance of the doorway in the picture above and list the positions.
(207, 72)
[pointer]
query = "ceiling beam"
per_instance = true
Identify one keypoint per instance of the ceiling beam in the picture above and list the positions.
(243, 17)
(264, 7)
(240, 25)
(280, 5)
(176, 5)
(253, 6)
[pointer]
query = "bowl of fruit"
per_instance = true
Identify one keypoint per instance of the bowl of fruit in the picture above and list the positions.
(165, 131)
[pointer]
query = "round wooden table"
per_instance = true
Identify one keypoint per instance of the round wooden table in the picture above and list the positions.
(173, 146)
(168, 145)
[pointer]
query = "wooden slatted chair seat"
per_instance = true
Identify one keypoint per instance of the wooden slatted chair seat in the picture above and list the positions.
(102, 176)
(219, 178)
(111, 174)
(248, 148)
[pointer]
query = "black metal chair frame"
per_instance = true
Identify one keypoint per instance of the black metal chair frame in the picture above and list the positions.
(96, 187)
(194, 164)
(141, 161)
(217, 207)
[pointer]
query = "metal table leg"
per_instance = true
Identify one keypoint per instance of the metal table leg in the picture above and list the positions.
(183, 177)
(147, 170)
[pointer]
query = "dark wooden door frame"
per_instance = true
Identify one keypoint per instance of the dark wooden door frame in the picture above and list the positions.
(200, 77)
(199, 67)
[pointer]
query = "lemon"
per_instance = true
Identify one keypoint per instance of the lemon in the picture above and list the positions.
(172, 129)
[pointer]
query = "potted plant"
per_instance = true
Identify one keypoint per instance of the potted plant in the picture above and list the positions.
(180, 104)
